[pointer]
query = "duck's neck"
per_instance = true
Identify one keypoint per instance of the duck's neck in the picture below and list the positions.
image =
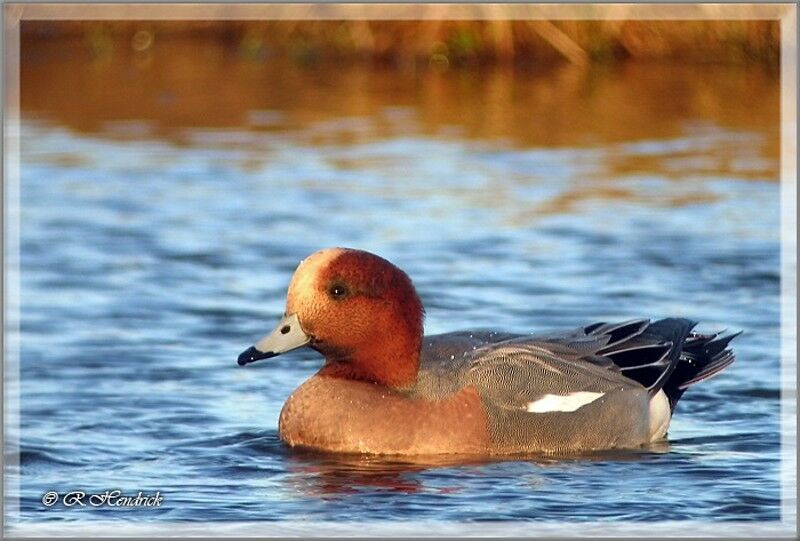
(392, 362)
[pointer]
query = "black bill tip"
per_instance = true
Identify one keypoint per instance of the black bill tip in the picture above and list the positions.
(251, 355)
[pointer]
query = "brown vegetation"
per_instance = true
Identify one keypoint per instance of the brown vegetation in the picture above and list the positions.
(445, 43)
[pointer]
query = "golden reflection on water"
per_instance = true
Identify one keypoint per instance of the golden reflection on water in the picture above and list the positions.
(201, 91)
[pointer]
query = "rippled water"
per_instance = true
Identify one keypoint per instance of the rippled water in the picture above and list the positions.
(148, 263)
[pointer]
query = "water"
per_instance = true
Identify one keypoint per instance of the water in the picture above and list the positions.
(154, 251)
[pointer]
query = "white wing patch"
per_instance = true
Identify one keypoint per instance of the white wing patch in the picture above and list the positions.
(570, 402)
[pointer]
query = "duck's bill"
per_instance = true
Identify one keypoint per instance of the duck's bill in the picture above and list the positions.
(288, 335)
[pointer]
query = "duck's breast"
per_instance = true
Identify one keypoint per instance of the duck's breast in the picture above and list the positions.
(341, 415)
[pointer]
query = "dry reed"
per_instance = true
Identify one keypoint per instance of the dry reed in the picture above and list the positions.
(447, 42)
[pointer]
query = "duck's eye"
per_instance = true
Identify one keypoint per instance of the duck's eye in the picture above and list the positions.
(338, 291)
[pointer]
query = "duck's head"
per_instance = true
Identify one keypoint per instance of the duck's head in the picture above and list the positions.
(357, 309)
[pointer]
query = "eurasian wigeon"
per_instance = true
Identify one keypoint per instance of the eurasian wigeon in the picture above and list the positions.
(385, 388)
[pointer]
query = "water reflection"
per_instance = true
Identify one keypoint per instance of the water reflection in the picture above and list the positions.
(324, 475)
(559, 107)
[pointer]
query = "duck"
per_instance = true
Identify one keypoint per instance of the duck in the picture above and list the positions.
(386, 388)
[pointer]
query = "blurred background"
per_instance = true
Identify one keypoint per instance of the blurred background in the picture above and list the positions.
(526, 174)
(221, 73)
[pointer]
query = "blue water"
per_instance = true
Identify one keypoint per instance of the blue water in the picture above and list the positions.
(148, 263)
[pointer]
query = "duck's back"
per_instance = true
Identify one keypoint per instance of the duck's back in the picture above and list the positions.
(595, 387)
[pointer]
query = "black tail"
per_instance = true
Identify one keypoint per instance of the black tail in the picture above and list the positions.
(664, 355)
(651, 352)
(702, 356)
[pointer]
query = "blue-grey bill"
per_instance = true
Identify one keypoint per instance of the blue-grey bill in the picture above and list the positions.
(288, 335)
